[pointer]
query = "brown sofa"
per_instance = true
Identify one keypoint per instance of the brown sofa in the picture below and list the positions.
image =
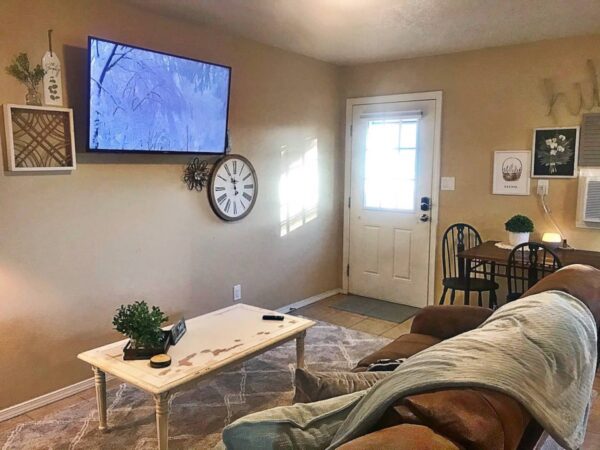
(463, 418)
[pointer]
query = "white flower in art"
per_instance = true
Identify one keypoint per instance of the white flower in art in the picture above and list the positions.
(553, 152)
(562, 137)
(561, 148)
(548, 142)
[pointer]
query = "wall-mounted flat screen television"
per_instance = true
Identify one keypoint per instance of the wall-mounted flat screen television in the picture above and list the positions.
(143, 101)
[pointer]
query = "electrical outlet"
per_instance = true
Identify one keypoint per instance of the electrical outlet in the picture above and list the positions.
(237, 292)
(542, 187)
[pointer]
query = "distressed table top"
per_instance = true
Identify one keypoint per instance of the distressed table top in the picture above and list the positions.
(212, 341)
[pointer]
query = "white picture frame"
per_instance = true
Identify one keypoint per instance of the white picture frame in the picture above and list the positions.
(39, 138)
(511, 172)
(541, 147)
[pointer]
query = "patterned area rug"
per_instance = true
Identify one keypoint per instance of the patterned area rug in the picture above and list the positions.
(198, 414)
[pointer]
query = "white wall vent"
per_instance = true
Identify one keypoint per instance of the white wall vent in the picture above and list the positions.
(588, 199)
(592, 200)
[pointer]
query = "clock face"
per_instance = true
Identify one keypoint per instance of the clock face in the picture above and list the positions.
(233, 188)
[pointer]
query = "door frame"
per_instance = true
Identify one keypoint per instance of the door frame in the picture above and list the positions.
(435, 183)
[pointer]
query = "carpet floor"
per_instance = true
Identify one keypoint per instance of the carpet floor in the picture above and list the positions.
(198, 414)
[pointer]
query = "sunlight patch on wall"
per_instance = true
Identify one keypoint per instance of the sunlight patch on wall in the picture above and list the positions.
(299, 187)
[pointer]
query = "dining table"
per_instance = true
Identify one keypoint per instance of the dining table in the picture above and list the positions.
(489, 259)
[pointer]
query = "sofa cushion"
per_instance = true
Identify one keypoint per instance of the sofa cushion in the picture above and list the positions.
(581, 281)
(403, 347)
(479, 419)
(447, 321)
(401, 437)
(315, 386)
(303, 425)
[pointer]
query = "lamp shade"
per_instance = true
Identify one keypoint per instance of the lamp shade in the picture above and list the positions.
(552, 240)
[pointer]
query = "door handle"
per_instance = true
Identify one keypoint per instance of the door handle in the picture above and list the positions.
(424, 218)
(425, 203)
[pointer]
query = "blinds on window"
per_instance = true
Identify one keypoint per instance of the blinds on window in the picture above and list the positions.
(589, 143)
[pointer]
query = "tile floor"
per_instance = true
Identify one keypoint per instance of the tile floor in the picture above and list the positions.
(321, 310)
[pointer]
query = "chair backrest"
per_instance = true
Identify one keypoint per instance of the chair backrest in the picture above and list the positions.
(527, 264)
(457, 238)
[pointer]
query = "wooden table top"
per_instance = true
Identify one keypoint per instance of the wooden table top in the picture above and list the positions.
(488, 251)
(212, 341)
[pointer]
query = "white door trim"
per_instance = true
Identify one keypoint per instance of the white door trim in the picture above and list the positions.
(435, 184)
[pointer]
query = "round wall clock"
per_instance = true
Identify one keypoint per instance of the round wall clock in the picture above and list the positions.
(233, 188)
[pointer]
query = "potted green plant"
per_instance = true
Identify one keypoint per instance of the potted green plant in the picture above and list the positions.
(141, 325)
(31, 77)
(518, 228)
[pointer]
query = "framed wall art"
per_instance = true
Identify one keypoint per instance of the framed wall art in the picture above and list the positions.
(511, 172)
(554, 153)
(39, 138)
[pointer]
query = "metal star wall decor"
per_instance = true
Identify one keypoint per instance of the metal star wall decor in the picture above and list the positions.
(196, 174)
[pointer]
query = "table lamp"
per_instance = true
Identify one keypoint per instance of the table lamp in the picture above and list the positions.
(552, 240)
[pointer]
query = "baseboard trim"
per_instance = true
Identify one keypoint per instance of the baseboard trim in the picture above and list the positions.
(46, 399)
(59, 394)
(307, 301)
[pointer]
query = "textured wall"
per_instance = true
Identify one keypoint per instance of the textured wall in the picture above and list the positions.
(74, 247)
(493, 99)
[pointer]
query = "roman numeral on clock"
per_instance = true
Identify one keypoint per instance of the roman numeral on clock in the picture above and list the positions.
(248, 186)
(227, 206)
(222, 198)
(234, 167)
(234, 208)
(247, 197)
(227, 169)
(219, 188)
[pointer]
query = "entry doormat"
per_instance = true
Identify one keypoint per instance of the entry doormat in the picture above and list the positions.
(378, 309)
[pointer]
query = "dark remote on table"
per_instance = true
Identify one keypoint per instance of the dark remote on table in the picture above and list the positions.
(272, 317)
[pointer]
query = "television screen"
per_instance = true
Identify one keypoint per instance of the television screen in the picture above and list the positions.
(147, 101)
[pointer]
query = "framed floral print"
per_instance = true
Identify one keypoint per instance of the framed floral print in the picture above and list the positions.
(511, 172)
(554, 152)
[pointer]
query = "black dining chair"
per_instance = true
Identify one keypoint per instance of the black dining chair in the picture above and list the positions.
(457, 238)
(528, 263)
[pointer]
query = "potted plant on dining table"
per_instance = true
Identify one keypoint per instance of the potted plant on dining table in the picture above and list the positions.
(519, 227)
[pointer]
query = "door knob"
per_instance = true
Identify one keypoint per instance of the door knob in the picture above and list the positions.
(425, 203)
(424, 218)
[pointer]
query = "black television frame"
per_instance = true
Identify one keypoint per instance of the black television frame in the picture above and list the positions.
(150, 152)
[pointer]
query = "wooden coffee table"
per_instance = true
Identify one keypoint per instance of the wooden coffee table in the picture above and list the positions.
(213, 342)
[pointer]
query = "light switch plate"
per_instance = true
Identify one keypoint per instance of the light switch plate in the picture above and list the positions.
(447, 184)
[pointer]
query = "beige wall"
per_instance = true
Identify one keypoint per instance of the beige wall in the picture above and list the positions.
(493, 99)
(74, 247)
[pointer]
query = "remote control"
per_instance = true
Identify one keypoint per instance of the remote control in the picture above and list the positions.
(272, 317)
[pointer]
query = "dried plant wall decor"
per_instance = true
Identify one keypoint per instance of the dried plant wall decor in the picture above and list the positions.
(39, 138)
(592, 97)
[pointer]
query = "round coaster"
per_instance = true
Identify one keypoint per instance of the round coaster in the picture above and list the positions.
(160, 361)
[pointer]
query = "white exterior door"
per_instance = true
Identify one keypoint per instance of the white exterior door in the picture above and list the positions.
(390, 200)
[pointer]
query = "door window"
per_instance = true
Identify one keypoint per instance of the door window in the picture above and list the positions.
(390, 164)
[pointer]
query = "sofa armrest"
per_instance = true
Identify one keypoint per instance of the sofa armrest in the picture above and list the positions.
(401, 437)
(446, 321)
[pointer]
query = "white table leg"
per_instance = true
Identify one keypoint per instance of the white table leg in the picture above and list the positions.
(162, 419)
(300, 350)
(100, 382)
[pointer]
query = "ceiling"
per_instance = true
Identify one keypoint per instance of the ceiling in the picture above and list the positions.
(358, 31)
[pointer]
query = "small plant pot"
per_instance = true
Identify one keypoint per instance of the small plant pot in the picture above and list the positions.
(130, 353)
(517, 238)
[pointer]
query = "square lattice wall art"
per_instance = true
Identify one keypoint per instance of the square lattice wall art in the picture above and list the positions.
(39, 138)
